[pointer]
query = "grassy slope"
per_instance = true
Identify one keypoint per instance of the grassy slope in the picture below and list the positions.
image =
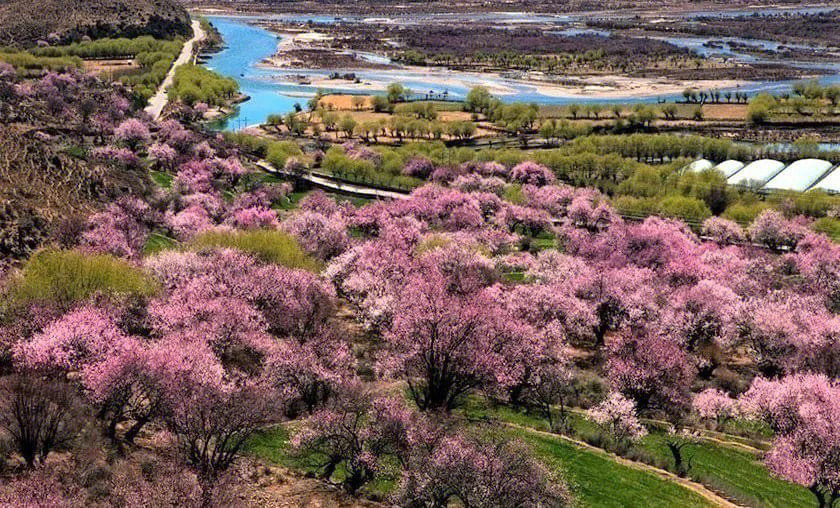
(736, 473)
(733, 472)
(597, 480)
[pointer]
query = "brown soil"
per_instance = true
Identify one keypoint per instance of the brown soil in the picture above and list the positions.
(343, 102)
(104, 66)
(277, 487)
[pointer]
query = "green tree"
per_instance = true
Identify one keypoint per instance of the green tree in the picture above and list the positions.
(347, 125)
(761, 108)
(478, 100)
(381, 104)
(396, 92)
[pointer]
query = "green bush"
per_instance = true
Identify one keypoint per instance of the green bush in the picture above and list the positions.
(744, 212)
(761, 108)
(709, 186)
(828, 226)
(27, 63)
(271, 246)
(278, 153)
(686, 208)
(255, 144)
(813, 203)
(68, 276)
(636, 207)
(116, 48)
(645, 182)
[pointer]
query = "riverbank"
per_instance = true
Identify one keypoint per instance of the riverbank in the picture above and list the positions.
(276, 87)
(606, 87)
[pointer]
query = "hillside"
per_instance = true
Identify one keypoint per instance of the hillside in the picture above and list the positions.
(25, 22)
(49, 181)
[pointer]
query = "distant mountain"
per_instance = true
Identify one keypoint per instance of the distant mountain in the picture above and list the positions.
(25, 22)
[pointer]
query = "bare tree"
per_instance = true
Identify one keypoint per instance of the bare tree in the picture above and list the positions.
(212, 426)
(39, 414)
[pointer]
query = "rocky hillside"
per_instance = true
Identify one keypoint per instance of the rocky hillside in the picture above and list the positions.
(25, 22)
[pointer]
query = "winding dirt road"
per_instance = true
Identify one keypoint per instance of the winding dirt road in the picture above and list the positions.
(159, 100)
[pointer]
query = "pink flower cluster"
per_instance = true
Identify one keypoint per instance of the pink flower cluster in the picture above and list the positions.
(121, 229)
(115, 155)
(617, 416)
(132, 132)
(529, 172)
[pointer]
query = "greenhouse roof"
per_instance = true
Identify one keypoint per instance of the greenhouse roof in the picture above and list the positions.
(831, 182)
(730, 167)
(799, 176)
(700, 165)
(759, 171)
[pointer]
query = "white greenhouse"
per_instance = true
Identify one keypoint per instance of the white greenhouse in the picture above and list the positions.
(729, 167)
(757, 173)
(831, 182)
(701, 165)
(799, 176)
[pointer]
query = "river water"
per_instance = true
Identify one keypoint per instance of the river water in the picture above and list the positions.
(248, 45)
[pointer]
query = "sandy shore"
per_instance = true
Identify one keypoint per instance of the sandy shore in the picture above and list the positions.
(620, 87)
(607, 87)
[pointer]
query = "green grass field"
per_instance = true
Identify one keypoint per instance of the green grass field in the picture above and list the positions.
(596, 479)
(599, 481)
(732, 472)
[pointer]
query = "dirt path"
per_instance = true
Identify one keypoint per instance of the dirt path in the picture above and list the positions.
(695, 487)
(159, 100)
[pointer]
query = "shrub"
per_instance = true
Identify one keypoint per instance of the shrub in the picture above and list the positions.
(771, 229)
(40, 415)
(723, 231)
(744, 213)
(828, 226)
(761, 108)
(270, 246)
(617, 417)
(637, 207)
(71, 276)
(691, 210)
(277, 154)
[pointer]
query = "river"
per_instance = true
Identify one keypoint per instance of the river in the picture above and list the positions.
(248, 45)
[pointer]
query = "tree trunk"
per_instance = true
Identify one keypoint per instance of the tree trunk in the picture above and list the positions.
(207, 481)
(820, 495)
(134, 430)
(329, 469)
(676, 452)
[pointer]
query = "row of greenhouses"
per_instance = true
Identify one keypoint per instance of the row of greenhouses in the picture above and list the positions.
(772, 175)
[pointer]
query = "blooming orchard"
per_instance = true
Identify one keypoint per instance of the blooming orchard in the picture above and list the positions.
(490, 280)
